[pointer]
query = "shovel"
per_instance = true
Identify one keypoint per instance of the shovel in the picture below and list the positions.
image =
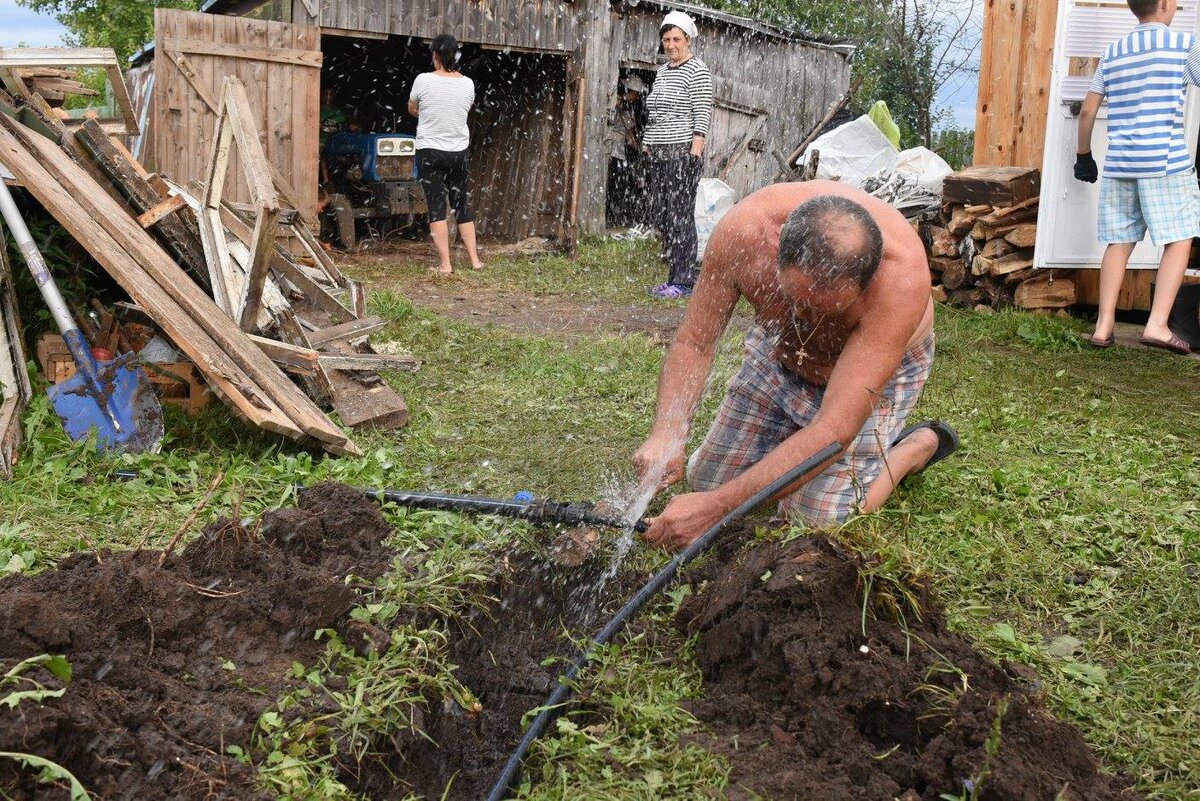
(113, 397)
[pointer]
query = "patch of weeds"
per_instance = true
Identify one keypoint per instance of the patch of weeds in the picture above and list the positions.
(625, 740)
(24, 688)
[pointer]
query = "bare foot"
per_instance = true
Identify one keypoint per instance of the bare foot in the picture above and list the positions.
(477, 266)
(920, 446)
(442, 270)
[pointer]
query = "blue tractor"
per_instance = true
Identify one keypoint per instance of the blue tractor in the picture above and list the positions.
(374, 177)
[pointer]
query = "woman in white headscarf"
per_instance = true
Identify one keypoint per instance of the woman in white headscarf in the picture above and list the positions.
(680, 113)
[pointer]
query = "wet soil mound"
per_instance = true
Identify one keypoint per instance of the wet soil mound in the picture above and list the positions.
(805, 706)
(172, 664)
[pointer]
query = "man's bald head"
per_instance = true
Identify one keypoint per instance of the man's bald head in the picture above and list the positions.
(832, 237)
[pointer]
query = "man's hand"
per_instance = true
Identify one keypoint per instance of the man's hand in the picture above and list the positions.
(1085, 168)
(657, 453)
(685, 518)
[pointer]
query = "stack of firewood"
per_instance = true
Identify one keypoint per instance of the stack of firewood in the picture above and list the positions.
(981, 247)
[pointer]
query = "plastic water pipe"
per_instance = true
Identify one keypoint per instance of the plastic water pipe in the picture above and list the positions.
(552, 706)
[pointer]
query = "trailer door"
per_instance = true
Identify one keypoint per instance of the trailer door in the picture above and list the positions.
(280, 66)
(1066, 234)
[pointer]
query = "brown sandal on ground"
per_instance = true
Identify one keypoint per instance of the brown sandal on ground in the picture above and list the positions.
(1098, 342)
(1174, 344)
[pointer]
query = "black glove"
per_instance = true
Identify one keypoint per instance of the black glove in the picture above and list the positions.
(1085, 168)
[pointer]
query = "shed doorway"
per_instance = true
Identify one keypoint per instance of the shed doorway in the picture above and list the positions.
(521, 142)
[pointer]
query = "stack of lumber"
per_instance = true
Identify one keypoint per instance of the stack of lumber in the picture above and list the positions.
(54, 84)
(244, 292)
(981, 247)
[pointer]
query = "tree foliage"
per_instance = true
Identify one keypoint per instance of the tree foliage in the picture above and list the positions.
(124, 25)
(907, 49)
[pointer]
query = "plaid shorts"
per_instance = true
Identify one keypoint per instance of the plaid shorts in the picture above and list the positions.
(765, 404)
(1169, 206)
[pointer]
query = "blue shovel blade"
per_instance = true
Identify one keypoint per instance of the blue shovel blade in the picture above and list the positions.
(133, 418)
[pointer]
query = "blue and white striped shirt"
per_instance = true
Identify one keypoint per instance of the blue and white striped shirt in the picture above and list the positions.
(1145, 75)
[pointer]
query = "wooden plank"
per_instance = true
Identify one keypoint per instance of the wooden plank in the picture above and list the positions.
(15, 389)
(157, 212)
(189, 297)
(345, 331)
(262, 249)
(124, 174)
(293, 358)
(300, 58)
(283, 266)
(372, 362)
(57, 56)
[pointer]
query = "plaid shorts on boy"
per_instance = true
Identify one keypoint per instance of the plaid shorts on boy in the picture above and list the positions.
(1167, 205)
(765, 404)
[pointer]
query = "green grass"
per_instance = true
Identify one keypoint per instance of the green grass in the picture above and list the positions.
(1065, 535)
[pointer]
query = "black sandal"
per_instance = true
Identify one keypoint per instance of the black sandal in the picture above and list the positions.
(948, 441)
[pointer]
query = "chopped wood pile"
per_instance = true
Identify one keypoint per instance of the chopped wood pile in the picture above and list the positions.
(981, 248)
(245, 292)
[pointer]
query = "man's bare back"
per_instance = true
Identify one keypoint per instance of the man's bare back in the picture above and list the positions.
(743, 252)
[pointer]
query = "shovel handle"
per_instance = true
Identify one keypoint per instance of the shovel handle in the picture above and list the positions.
(72, 336)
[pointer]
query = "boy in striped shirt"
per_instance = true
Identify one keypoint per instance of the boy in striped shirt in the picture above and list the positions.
(1149, 179)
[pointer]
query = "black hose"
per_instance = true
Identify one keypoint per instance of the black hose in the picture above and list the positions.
(551, 707)
(534, 510)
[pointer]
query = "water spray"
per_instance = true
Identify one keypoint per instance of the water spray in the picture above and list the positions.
(552, 706)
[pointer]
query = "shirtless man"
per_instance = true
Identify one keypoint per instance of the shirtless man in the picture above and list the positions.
(840, 348)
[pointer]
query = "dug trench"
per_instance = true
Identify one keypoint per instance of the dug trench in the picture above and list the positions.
(175, 664)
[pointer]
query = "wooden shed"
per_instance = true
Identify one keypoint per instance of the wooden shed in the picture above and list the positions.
(546, 76)
(1035, 63)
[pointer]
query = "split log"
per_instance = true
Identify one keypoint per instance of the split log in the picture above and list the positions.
(955, 275)
(944, 243)
(939, 264)
(995, 248)
(968, 296)
(981, 231)
(1025, 210)
(996, 186)
(1018, 260)
(1046, 292)
(963, 218)
(1022, 236)
(939, 294)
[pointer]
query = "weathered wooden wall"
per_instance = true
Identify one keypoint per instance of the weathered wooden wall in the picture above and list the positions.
(285, 97)
(519, 160)
(549, 26)
(791, 83)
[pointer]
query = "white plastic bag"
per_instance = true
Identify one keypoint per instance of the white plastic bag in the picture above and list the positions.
(925, 167)
(852, 152)
(714, 197)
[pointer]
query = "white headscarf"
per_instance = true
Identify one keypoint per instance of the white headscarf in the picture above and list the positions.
(681, 21)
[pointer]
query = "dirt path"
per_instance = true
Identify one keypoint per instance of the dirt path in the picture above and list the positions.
(512, 309)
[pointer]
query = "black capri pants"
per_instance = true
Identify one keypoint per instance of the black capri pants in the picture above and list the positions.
(444, 172)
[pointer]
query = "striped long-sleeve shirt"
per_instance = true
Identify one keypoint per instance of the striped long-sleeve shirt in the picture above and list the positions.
(680, 104)
(1145, 75)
